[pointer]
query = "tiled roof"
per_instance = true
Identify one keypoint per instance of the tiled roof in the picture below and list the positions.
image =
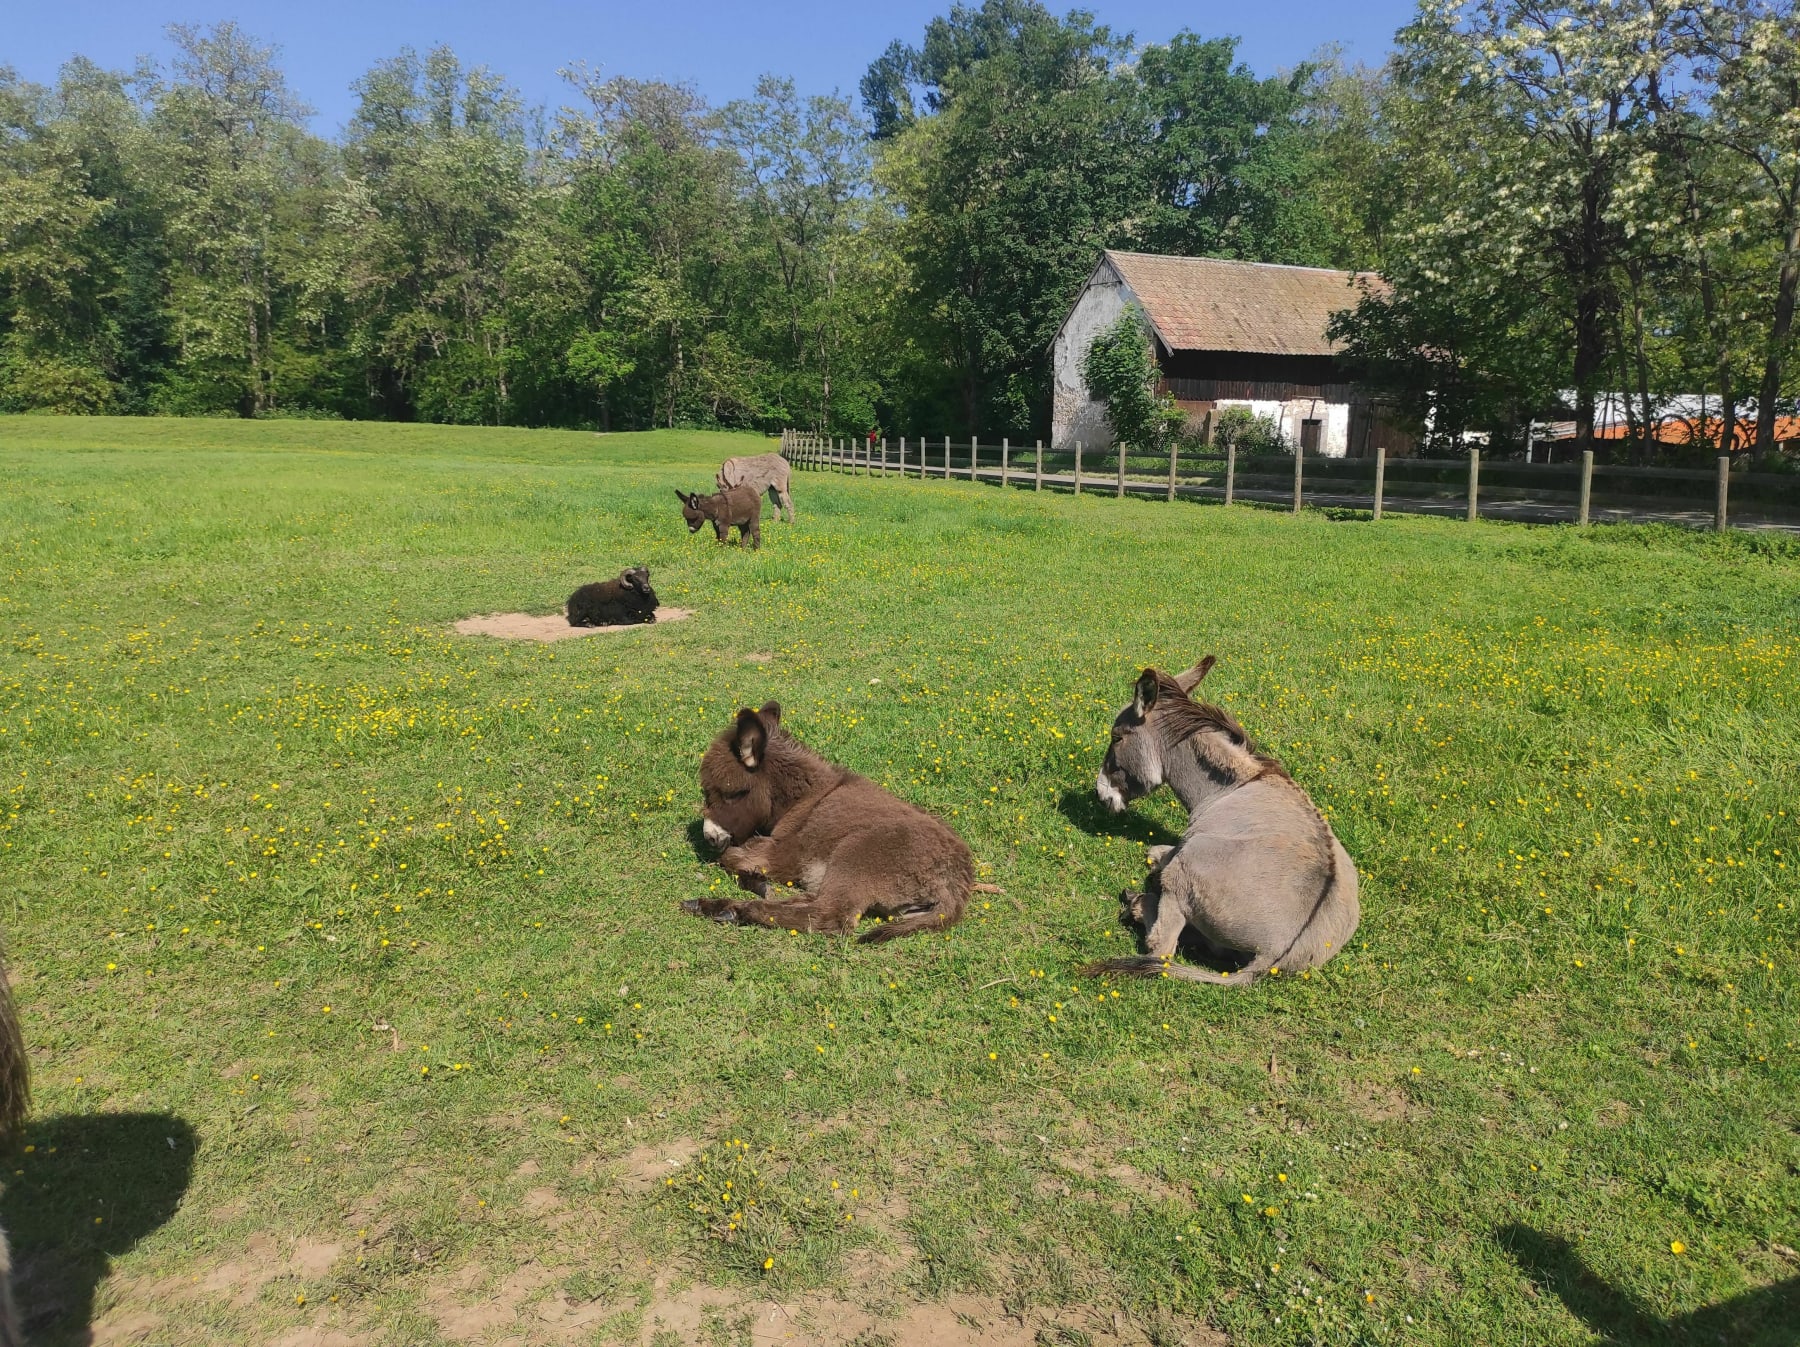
(1207, 304)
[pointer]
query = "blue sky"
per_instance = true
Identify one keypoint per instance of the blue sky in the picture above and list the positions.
(719, 46)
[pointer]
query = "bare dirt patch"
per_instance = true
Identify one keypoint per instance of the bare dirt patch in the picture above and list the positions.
(1374, 1102)
(822, 1320)
(496, 1307)
(116, 1330)
(322, 1337)
(552, 626)
(645, 1167)
(1126, 1176)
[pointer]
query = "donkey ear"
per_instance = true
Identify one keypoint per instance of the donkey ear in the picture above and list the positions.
(1191, 679)
(681, 495)
(1145, 693)
(749, 739)
(771, 714)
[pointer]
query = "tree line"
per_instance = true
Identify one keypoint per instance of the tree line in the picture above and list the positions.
(1562, 201)
(176, 241)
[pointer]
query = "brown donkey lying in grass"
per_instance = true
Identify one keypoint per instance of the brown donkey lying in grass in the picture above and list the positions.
(1258, 873)
(853, 848)
(737, 506)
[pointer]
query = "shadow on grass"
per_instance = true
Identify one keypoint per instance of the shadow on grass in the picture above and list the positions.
(1084, 810)
(95, 1184)
(1769, 1317)
(704, 851)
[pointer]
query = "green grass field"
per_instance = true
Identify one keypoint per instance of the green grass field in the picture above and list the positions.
(362, 1009)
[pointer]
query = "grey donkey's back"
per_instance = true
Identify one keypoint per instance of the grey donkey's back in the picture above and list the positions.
(761, 472)
(1261, 872)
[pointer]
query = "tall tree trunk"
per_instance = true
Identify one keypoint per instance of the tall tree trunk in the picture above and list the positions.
(1646, 428)
(253, 349)
(1779, 328)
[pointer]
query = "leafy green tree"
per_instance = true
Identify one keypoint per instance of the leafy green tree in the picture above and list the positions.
(48, 291)
(1518, 130)
(806, 181)
(1232, 171)
(229, 139)
(1748, 62)
(1023, 170)
(1120, 370)
(426, 223)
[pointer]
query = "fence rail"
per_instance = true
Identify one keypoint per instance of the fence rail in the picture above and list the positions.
(1472, 487)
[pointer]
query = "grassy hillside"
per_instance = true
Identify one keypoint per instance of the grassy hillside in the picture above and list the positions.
(360, 1000)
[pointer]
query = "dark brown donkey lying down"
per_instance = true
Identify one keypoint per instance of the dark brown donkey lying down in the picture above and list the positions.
(852, 848)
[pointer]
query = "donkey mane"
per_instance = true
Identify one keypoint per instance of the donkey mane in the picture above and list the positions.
(796, 771)
(1181, 718)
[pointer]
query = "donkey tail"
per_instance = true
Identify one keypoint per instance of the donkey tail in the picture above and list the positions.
(15, 1066)
(931, 919)
(1149, 966)
(10, 1335)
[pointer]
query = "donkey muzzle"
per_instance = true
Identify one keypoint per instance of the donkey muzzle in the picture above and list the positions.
(1110, 795)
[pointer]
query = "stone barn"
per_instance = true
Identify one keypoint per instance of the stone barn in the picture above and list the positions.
(1227, 334)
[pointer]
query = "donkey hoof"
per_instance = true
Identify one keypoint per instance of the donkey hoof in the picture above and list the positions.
(719, 909)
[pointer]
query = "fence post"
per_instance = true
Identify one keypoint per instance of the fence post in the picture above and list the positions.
(1174, 446)
(1230, 470)
(1587, 486)
(1120, 493)
(1077, 467)
(1299, 462)
(1005, 454)
(1474, 484)
(974, 455)
(884, 455)
(946, 458)
(1724, 486)
(1380, 476)
(1037, 459)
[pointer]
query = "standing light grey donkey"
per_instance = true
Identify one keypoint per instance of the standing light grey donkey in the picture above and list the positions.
(1258, 874)
(761, 472)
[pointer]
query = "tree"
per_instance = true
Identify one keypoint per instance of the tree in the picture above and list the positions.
(229, 137)
(1231, 169)
(1120, 371)
(1749, 64)
(1518, 130)
(1023, 170)
(807, 179)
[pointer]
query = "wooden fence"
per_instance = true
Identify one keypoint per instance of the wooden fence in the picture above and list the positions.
(1472, 487)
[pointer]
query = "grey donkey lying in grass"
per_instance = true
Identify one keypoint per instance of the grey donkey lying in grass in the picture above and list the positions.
(1258, 874)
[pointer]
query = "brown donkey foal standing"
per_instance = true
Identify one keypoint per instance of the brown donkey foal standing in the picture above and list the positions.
(738, 506)
(1258, 874)
(853, 848)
